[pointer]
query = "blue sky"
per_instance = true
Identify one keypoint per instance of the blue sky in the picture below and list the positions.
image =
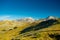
(29, 8)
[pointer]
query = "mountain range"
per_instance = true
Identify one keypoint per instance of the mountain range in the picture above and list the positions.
(30, 29)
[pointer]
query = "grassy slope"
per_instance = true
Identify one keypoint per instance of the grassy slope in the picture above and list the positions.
(11, 33)
(32, 35)
(40, 34)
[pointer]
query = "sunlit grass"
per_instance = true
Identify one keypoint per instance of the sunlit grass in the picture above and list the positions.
(10, 30)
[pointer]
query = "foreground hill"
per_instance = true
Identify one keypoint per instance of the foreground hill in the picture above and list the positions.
(45, 29)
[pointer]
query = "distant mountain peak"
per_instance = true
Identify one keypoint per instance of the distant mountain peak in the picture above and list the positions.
(27, 19)
(51, 17)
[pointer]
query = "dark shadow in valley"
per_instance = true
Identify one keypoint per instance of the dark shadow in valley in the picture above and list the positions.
(41, 25)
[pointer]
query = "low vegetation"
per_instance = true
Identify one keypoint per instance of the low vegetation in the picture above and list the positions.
(45, 30)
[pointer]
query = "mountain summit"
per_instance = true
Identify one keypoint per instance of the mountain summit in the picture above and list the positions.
(51, 17)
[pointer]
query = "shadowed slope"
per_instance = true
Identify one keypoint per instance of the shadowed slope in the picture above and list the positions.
(41, 25)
